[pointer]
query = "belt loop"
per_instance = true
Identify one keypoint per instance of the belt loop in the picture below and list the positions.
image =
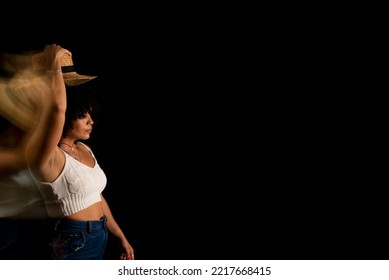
(89, 227)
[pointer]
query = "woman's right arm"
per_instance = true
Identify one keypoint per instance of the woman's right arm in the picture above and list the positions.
(42, 153)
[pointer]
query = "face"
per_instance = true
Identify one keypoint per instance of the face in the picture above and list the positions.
(82, 127)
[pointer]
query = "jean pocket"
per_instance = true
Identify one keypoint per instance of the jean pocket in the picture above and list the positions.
(67, 244)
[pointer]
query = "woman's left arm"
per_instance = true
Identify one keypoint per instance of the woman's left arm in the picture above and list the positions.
(115, 230)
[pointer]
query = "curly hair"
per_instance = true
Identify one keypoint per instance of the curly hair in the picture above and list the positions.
(81, 99)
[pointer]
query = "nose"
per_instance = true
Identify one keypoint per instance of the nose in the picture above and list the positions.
(89, 119)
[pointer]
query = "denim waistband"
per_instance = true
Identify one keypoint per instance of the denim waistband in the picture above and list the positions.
(70, 225)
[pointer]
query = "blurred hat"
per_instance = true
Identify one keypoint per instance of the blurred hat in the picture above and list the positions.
(21, 100)
(71, 77)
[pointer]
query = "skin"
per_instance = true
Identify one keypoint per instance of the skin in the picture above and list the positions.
(16, 127)
(45, 141)
(14, 139)
(11, 151)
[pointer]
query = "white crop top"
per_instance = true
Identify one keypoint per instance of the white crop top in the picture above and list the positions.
(77, 187)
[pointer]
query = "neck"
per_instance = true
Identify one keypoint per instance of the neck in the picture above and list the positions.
(69, 145)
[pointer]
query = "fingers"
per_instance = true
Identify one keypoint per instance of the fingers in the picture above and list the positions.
(125, 256)
(54, 48)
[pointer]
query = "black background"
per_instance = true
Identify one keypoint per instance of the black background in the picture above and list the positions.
(214, 145)
(168, 131)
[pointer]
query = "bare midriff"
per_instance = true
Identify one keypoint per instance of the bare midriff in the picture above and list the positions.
(92, 213)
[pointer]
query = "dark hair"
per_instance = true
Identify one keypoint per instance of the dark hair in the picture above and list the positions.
(81, 99)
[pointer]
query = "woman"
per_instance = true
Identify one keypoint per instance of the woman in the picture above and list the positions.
(70, 179)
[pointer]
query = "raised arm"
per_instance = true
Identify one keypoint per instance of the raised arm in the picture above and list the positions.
(42, 152)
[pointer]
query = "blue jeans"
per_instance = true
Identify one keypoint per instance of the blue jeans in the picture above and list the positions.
(74, 240)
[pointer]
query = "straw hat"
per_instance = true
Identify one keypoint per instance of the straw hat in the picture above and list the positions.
(21, 100)
(71, 77)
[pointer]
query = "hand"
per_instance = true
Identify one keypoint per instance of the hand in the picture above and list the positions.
(53, 54)
(128, 253)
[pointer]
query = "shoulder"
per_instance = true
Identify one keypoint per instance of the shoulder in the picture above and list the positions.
(85, 145)
(88, 148)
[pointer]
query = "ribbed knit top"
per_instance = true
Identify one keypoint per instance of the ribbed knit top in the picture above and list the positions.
(77, 187)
